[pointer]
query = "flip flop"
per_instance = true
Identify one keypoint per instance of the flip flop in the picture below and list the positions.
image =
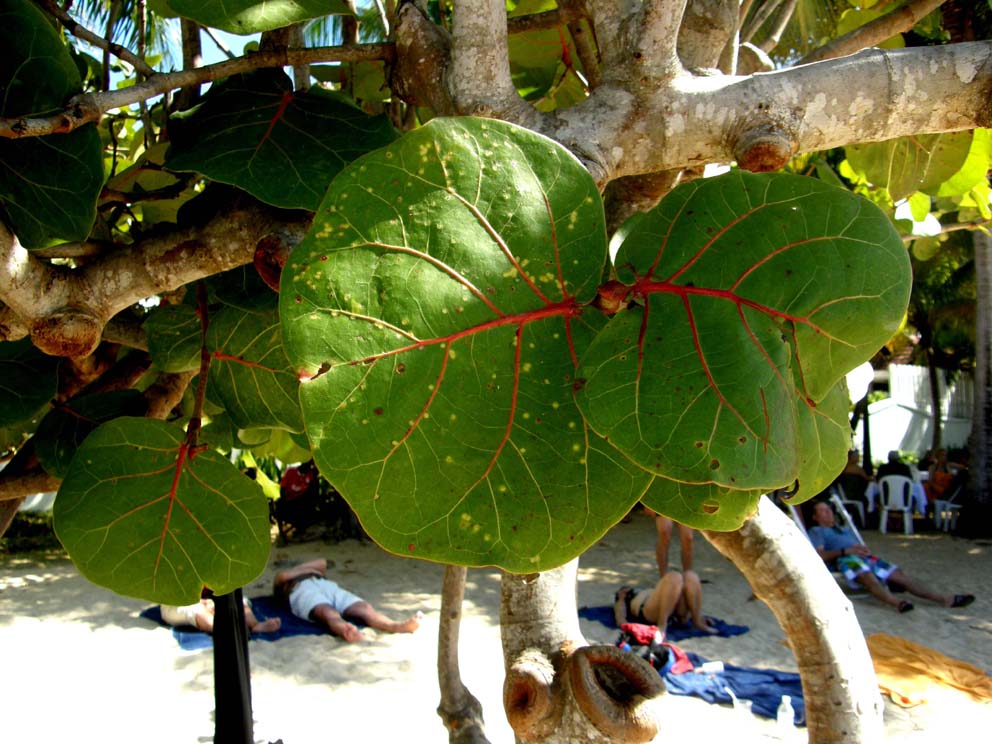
(962, 600)
(905, 606)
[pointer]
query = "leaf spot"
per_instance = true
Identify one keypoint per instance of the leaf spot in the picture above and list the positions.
(377, 411)
(714, 464)
(710, 507)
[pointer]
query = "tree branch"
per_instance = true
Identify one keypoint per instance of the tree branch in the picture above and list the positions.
(65, 310)
(87, 108)
(81, 32)
(479, 73)
(655, 51)
(901, 19)
(764, 119)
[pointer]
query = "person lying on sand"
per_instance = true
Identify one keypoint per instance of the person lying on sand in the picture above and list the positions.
(676, 594)
(311, 596)
(839, 548)
(201, 617)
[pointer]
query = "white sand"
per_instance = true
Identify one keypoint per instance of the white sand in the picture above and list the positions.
(79, 665)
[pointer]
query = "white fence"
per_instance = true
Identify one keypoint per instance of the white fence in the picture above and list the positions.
(904, 421)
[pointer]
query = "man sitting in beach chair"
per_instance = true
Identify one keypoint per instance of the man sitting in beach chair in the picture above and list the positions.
(840, 549)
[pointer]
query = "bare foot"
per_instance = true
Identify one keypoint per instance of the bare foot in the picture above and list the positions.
(346, 631)
(407, 626)
(706, 628)
(267, 626)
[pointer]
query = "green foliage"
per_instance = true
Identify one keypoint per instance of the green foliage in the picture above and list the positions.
(48, 185)
(252, 16)
(282, 147)
(142, 514)
(28, 380)
(458, 377)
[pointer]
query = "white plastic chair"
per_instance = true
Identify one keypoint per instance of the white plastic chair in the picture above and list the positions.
(896, 495)
(945, 511)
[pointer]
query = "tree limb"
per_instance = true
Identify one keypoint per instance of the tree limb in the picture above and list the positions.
(65, 310)
(87, 108)
(479, 73)
(764, 119)
(81, 32)
(459, 709)
(895, 22)
(839, 685)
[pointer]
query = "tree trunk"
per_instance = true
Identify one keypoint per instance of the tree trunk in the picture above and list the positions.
(839, 684)
(459, 708)
(933, 375)
(981, 423)
(557, 689)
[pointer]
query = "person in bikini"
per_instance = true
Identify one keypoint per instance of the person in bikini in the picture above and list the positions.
(676, 595)
(311, 596)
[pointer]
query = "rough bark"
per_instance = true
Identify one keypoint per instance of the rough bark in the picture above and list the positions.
(66, 310)
(559, 690)
(839, 685)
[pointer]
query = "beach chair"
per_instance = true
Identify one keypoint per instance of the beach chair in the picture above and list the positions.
(896, 495)
(845, 516)
(838, 490)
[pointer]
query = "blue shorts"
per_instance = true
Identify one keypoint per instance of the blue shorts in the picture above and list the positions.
(852, 566)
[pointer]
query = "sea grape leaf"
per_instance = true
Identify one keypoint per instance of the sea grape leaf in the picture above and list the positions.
(907, 164)
(754, 295)
(174, 337)
(975, 169)
(143, 515)
(48, 185)
(252, 16)
(66, 426)
(436, 308)
(282, 147)
(824, 437)
(243, 288)
(250, 375)
(28, 381)
(706, 507)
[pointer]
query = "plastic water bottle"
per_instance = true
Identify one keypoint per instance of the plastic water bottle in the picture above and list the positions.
(785, 716)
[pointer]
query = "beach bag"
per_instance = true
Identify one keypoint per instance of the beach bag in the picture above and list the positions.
(647, 641)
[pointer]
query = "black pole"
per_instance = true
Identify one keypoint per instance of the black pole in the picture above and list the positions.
(232, 673)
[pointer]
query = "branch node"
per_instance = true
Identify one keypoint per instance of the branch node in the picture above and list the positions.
(68, 332)
(763, 149)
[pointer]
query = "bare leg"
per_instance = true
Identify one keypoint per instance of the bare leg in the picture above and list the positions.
(877, 589)
(330, 618)
(270, 625)
(664, 526)
(374, 619)
(692, 594)
(915, 587)
(661, 604)
(685, 546)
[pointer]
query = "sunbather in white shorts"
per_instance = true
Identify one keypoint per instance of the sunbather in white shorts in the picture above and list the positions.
(315, 590)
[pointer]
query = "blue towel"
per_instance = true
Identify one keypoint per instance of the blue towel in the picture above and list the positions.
(190, 639)
(763, 687)
(675, 631)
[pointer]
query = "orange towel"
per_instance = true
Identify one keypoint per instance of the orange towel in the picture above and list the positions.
(906, 670)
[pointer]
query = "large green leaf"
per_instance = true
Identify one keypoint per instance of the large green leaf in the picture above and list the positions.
(282, 147)
(252, 16)
(755, 295)
(907, 164)
(249, 373)
(436, 308)
(66, 426)
(28, 381)
(174, 337)
(48, 185)
(706, 507)
(141, 514)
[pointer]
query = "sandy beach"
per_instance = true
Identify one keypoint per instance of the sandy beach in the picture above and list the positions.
(80, 665)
